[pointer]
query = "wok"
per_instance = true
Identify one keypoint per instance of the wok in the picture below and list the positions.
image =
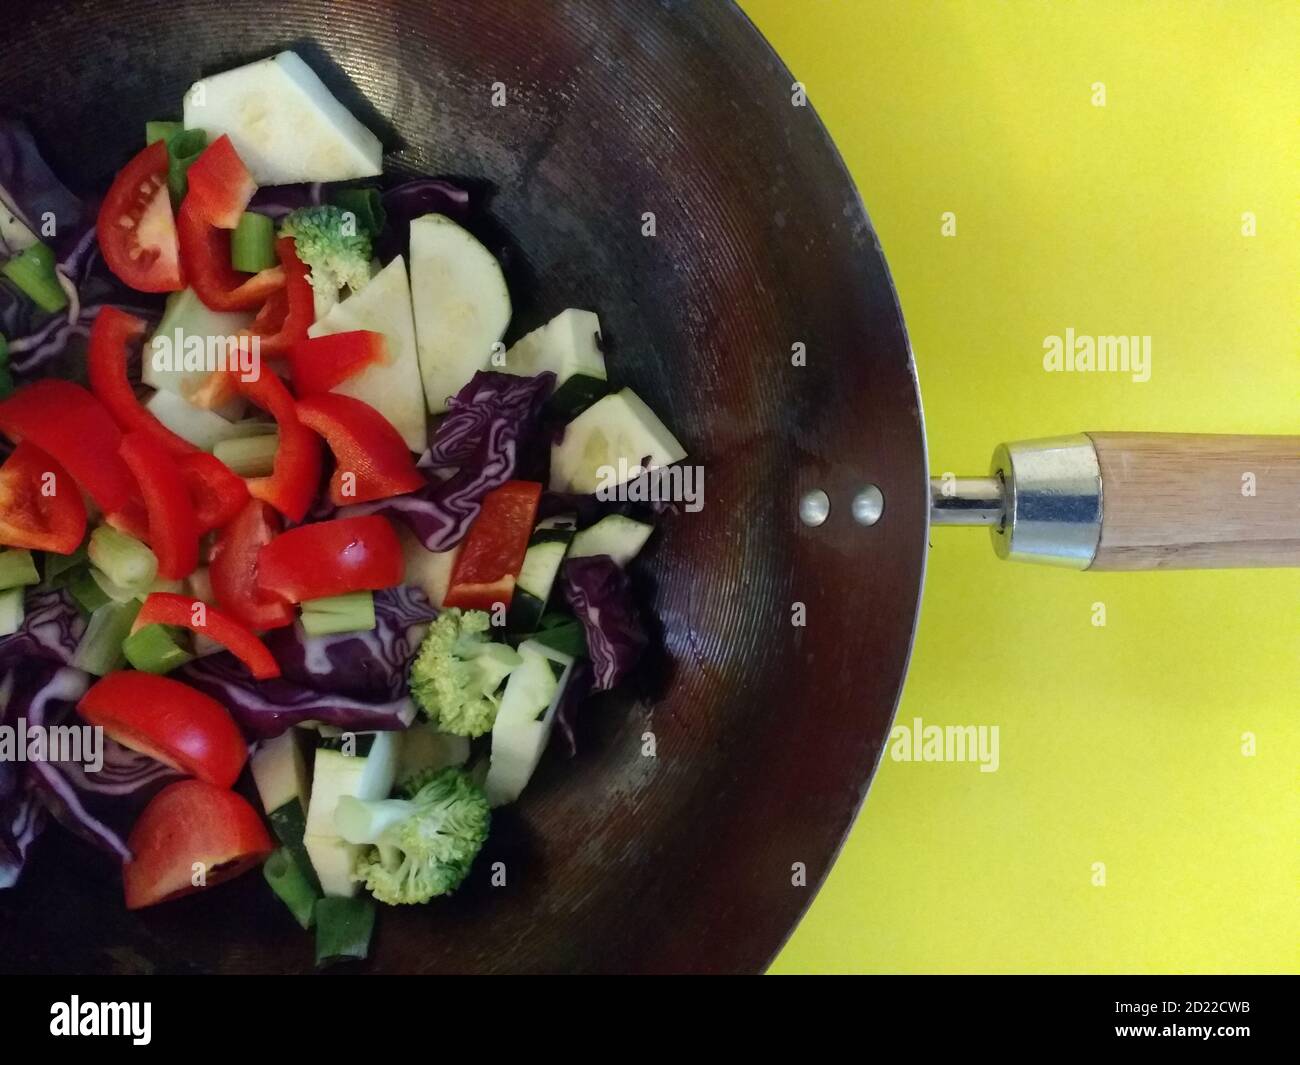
(765, 733)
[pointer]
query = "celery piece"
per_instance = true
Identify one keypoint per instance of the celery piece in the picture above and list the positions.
(343, 928)
(182, 150)
(17, 569)
(252, 245)
(87, 592)
(155, 649)
(292, 884)
(353, 612)
(123, 559)
(12, 611)
(161, 131)
(249, 456)
(100, 649)
(34, 271)
(58, 568)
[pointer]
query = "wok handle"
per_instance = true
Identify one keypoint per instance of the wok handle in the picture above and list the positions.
(1135, 501)
(1188, 501)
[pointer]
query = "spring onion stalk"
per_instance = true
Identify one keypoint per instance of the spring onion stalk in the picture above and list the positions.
(249, 456)
(292, 884)
(58, 568)
(87, 592)
(343, 928)
(155, 649)
(124, 560)
(365, 205)
(353, 612)
(17, 569)
(33, 271)
(252, 245)
(116, 592)
(100, 649)
(561, 633)
(6, 375)
(161, 131)
(11, 611)
(182, 149)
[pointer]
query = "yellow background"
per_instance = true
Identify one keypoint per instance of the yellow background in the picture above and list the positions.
(1119, 744)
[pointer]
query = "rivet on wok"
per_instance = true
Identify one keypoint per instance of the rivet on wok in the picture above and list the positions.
(815, 507)
(868, 505)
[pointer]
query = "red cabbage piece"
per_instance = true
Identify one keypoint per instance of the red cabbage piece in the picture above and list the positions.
(276, 201)
(368, 665)
(490, 419)
(51, 629)
(22, 820)
(601, 597)
(574, 695)
(265, 708)
(410, 200)
(36, 196)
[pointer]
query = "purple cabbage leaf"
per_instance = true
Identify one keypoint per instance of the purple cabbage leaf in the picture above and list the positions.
(600, 595)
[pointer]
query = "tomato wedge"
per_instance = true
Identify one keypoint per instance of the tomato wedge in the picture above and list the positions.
(217, 492)
(371, 459)
(219, 184)
(191, 826)
(109, 336)
(295, 475)
(40, 506)
(136, 231)
(169, 721)
(72, 426)
(319, 364)
(331, 558)
(493, 552)
(233, 569)
(173, 527)
(167, 608)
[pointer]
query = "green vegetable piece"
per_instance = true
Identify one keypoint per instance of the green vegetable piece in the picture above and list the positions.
(249, 456)
(155, 649)
(562, 633)
(458, 672)
(334, 247)
(353, 612)
(86, 590)
(123, 559)
(182, 149)
(34, 271)
(366, 205)
(17, 569)
(58, 568)
(292, 885)
(100, 649)
(12, 611)
(161, 131)
(419, 847)
(343, 928)
(252, 247)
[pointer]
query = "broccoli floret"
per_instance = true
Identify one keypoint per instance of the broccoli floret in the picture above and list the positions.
(334, 248)
(419, 847)
(458, 671)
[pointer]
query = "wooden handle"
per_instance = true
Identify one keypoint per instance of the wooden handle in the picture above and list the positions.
(1175, 501)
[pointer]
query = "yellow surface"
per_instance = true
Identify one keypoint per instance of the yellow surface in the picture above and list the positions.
(1119, 744)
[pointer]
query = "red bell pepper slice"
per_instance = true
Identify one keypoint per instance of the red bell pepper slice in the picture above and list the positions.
(331, 558)
(173, 527)
(167, 608)
(371, 459)
(288, 312)
(320, 364)
(131, 519)
(295, 475)
(219, 184)
(136, 231)
(233, 569)
(186, 824)
(169, 721)
(109, 336)
(217, 492)
(41, 508)
(219, 190)
(75, 429)
(493, 552)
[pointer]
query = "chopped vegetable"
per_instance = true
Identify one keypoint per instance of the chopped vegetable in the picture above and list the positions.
(352, 612)
(11, 611)
(252, 246)
(249, 456)
(217, 493)
(420, 846)
(320, 364)
(458, 673)
(40, 507)
(295, 477)
(335, 248)
(292, 884)
(136, 230)
(494, 550)
(371, 459)
(35, 273)
(330, 558)
(184, 612)
(343, 929)
(155, 649)
(173, 526)
(233, 568)
(601, 596)
(123, 559)
(100, 649)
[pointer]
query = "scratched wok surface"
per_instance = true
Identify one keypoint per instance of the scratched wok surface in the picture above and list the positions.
(766, 734)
